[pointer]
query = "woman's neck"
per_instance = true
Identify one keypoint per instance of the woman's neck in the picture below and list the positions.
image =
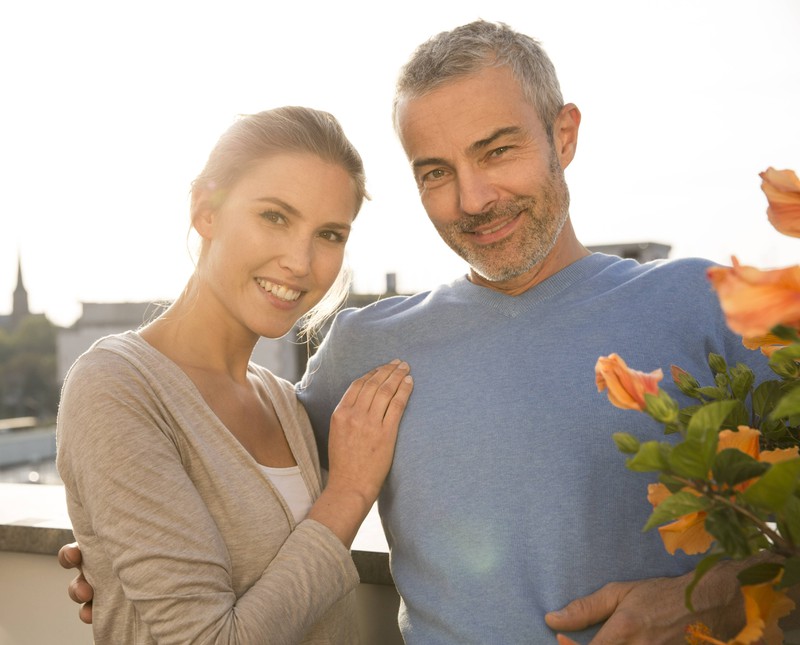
(196, 337)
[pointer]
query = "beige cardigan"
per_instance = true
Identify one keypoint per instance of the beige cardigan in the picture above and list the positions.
(183, 537)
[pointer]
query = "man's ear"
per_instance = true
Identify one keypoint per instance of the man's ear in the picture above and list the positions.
(203, 213)
(565, 133)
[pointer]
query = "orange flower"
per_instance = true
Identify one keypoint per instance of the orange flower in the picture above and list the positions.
(768, 343)
(755, 301)
(626, 387)
(779, 454)
(782, 188)
(688, 532)
(763, 607)
(744, 439)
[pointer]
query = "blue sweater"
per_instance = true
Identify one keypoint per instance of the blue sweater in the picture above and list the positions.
(507, 497)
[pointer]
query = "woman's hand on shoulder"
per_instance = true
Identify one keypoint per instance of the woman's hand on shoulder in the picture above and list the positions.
(361, 445)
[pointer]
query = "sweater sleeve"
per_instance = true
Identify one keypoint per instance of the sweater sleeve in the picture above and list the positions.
(131, 496)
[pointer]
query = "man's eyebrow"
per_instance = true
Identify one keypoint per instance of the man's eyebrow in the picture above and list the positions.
(501, 132)
(428, 161)
(473, 148)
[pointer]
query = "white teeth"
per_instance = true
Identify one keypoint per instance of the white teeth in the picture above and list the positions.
(492, 230)
(278, 290)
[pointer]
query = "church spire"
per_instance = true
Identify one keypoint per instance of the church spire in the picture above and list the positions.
(20, 307)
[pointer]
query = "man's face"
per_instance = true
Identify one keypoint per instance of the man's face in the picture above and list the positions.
(488, 176)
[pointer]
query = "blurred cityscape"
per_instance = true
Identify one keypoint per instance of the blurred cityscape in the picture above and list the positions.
(35, 356)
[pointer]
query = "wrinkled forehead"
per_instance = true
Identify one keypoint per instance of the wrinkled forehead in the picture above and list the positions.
(461, 113)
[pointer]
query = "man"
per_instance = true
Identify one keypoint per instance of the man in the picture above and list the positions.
(507, 498)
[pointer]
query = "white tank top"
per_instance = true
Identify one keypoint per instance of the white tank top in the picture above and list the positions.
(289, 483)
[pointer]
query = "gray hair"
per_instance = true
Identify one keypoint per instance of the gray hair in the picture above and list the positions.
(470, 48)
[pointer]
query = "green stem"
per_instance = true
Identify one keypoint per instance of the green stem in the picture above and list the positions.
(781, 546)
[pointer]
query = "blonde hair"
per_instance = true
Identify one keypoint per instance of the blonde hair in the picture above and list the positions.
(255, 137)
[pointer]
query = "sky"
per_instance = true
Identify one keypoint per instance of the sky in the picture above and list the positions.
(109, 110)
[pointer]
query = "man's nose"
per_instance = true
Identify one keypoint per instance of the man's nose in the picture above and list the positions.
(476, 191)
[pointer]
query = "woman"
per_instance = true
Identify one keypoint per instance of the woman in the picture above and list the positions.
(192, 478)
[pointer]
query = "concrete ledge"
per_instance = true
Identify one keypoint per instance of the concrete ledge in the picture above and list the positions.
(34, 519)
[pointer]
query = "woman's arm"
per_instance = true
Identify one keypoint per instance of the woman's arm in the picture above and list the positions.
(125, 475)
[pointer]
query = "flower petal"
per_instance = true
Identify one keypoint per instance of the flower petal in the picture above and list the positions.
(763, 607)
(745, 439)
(782, 188)
(687, 533)
(626, 387)
(779, 454)
(755, 301)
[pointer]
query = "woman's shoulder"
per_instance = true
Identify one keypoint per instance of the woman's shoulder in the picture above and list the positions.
(118, 363)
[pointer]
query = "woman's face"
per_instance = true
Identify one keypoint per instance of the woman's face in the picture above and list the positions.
(276, 244)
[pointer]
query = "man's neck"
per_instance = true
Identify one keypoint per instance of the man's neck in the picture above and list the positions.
(566, 251)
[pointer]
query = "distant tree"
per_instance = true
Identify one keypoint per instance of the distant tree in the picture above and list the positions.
(28, 383)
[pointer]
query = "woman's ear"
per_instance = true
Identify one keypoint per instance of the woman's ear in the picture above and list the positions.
(203, 213)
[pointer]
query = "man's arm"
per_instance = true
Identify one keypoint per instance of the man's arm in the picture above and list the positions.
(80, 591)
(653, 611)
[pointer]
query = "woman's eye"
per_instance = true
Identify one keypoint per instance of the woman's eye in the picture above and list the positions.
(333, 236)
(273, 216)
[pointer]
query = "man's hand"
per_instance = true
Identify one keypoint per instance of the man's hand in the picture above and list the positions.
(80, 591)
(653, 611)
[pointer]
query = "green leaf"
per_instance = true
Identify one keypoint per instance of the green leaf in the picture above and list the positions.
(789, 520)
(791, 572)
(686, 414)
(739, 416)
(702, 569)
(774, 489)
(788, 405)
(759, 573)
(786, 333)
(725, 525)
(789, 353)
(626, 442)
(676, 506)
(652, 456)
(764, 397)
(693, 458)
(783, 363)
(732, 466)
(672, 484)
(714, 393)
(709, 418)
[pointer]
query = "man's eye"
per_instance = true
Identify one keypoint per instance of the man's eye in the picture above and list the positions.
(499, 152)
(438, 173)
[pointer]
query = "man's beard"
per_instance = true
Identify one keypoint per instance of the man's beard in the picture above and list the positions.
(526, 247)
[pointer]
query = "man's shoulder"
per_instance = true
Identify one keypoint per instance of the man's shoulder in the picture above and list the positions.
(688, 272)
(387, 311)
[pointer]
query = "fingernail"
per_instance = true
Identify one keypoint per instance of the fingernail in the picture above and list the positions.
(404, 366)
